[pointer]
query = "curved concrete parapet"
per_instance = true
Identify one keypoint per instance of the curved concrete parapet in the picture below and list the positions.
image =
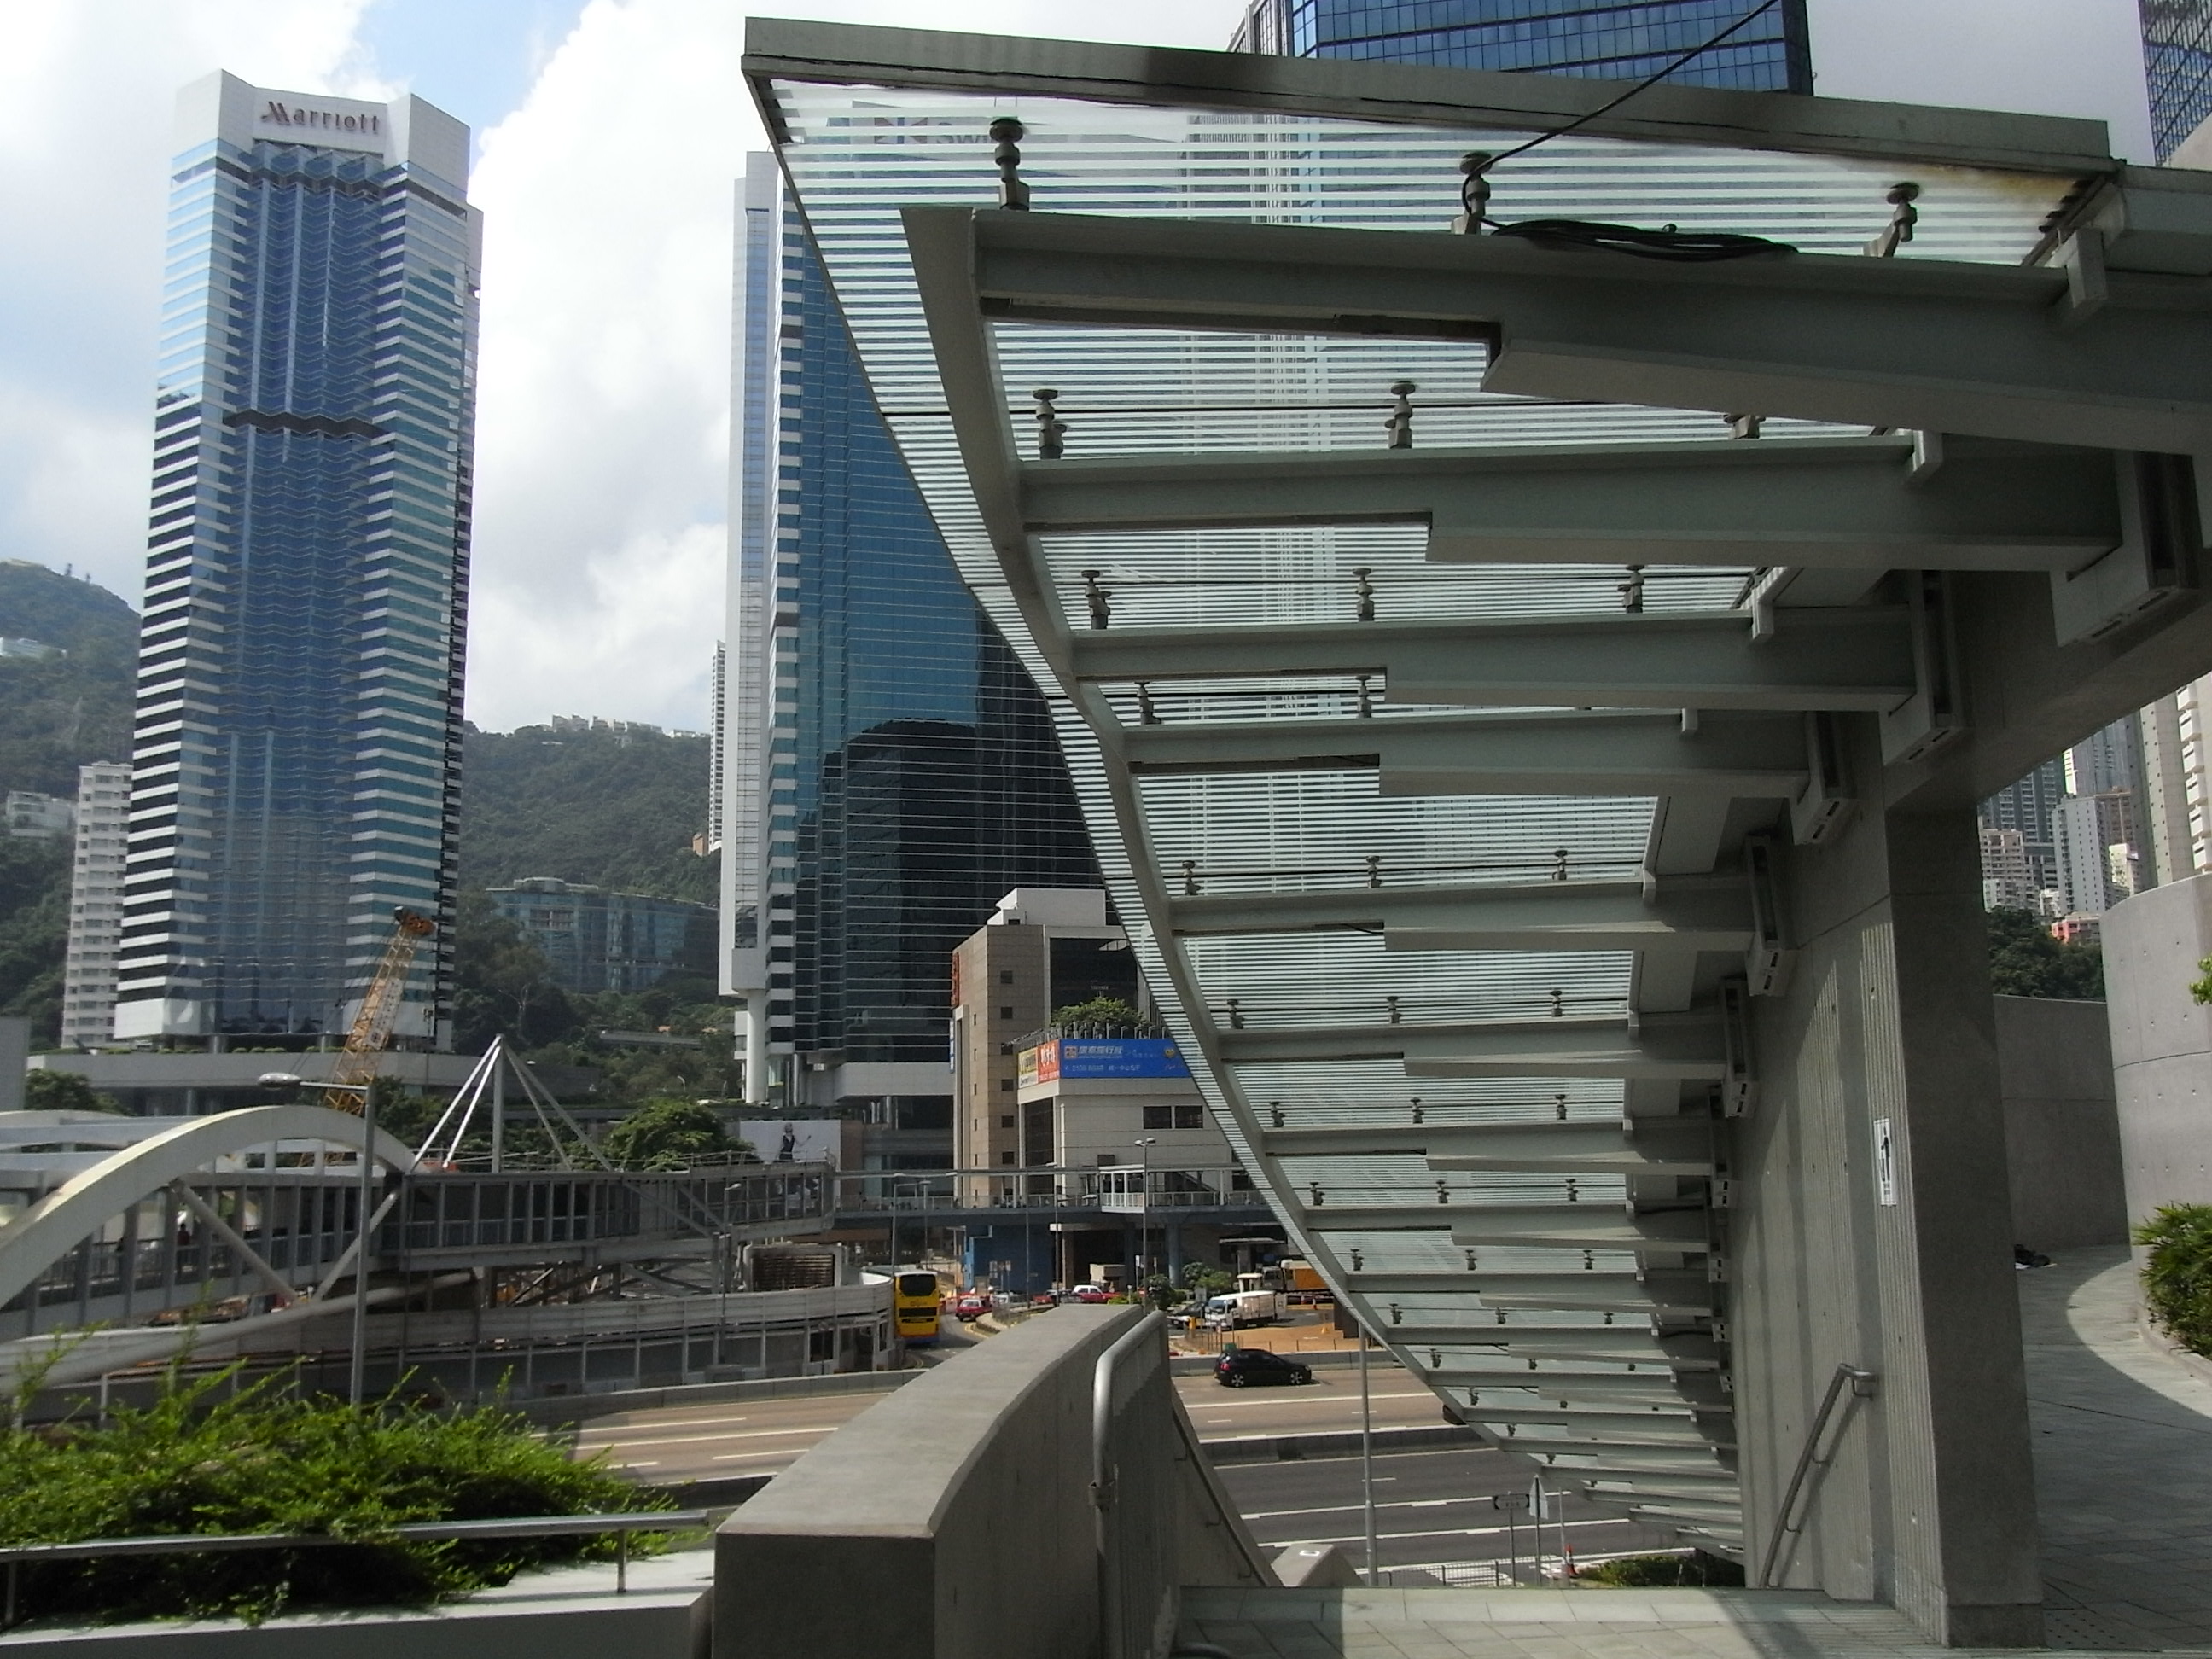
(65, 1218)
(959, 1515)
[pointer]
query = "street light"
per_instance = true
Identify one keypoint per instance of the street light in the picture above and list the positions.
(1145, 1145)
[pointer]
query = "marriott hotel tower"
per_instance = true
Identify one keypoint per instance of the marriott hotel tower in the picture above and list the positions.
(296, 765)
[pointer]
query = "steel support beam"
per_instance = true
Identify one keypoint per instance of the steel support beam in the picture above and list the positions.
(1594, 1291)
(1738, 757)
(1870, 504)
(1688, 913)
(1670, 1045)
(2001, 351)
(1836, 658)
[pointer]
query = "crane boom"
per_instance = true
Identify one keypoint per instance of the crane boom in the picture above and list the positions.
(379, 1007)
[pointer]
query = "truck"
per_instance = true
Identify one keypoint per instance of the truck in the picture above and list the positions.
(1247, 1307)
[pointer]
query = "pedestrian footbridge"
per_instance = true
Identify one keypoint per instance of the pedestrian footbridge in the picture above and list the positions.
(254, 1218)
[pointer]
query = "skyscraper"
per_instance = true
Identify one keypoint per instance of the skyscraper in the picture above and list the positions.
(1616, 42)
(95, 920)
(296, 760)
(889, 769)
(2177, 38)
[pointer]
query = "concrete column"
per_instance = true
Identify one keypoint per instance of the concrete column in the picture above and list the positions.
(1897, 1261)
(756, 1051)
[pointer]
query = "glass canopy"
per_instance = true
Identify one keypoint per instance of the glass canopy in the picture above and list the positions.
(855, 156)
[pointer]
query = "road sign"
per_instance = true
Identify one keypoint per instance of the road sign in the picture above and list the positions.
(1509, 1501)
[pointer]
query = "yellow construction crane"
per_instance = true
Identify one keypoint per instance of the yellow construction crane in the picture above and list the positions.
(348, 1086)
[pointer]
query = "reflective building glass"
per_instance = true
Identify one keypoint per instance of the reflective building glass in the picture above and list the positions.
(295, 764)
(909, 772)
(1548, 37)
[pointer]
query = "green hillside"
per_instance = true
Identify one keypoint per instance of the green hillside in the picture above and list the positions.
(60, 712)
(55, 714)
(615, 809)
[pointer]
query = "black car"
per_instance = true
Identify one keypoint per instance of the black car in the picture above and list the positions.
(1255, 1368)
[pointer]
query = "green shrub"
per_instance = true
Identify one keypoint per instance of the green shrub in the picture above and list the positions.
(1694, 1570)
(2176, 1280)
(264, 1462)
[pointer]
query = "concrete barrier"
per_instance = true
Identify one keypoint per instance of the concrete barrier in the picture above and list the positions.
(956, 1516)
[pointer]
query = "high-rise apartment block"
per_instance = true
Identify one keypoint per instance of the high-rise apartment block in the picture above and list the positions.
(296, 762)
(597, 940)
(2096, 839)
(95, 919)
(1615, 42)
(889, 769)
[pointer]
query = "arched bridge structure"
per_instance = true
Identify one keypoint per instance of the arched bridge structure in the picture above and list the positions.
(261, 1210)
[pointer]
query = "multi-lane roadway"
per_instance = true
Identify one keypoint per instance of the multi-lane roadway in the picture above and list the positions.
(1431, 1505)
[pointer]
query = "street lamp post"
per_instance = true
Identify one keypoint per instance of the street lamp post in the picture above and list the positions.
(1145, 1145)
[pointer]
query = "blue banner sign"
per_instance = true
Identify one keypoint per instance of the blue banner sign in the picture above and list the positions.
(1119, 1057)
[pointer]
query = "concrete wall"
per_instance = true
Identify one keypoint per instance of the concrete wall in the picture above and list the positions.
(1928, 1500)
(2061, 1123)
(955, 1517)
(2161, 1043)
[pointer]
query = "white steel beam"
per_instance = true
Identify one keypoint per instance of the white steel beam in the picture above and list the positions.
(1857, 658)
(2001, 351)
(1677, 1046)
(1737, 756)
(1684, 913)
(1853, 503)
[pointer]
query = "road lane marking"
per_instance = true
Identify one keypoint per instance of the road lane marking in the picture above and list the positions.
(734, 1434)
(1455, 1532)
(794, 1453)
(1335, 1508)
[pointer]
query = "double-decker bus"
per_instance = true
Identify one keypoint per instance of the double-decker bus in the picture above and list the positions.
(917, 1305)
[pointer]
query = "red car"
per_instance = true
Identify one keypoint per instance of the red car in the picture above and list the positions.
(1091, 1293)
(971, 1306)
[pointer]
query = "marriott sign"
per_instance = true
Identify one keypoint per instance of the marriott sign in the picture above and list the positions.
(290, 118)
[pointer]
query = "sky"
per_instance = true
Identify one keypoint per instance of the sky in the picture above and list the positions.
(608, 137)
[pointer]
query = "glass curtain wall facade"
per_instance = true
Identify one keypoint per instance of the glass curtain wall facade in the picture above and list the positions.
(295, 768)
(1547, 37)
(2177, 69)
(903, 766)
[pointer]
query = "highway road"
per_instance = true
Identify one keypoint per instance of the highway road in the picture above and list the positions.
(1431, 1507)
(694, 1442)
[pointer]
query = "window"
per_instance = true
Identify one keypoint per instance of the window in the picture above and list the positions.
(1190, 1115)
(1006, 976)
(1006, 1157)
(1006, 1122)
(1159, 1117)
(1005, 1085)
(1006, 1013)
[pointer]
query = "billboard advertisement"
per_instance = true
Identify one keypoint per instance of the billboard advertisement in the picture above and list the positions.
(792, 1141)
(1110, 1057)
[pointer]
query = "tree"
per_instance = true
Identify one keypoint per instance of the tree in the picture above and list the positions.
(503, 984)
(64, 1091)
(671, 1134)
(2025, 961)
(1099, 1010)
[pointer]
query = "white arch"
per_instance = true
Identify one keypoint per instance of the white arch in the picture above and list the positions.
(62, 1220)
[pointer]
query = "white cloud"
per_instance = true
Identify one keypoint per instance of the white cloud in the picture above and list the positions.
(604, 399)
(603, 394)
(86, 93)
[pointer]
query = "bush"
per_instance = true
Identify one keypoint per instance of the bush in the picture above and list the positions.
(1695, 1570)
(2177, 1279)
(263, 1461)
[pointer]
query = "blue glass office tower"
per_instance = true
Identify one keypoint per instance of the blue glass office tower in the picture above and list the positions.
(1616, 42)
(296, 762)
(889, 770)
(2177, 69)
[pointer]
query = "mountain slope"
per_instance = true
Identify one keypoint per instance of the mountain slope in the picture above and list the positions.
(616, 809)
(60, 712)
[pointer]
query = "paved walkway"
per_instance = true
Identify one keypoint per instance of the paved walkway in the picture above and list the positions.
(2124, 1467)
(2123, 1464)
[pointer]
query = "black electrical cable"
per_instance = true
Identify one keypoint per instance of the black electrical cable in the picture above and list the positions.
(1696, 247)
(1686, 246)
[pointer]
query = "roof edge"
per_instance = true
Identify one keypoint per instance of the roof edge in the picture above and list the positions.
(873, 55)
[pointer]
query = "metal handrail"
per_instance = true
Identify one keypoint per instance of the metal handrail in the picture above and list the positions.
(1862, 1384)
(534, 1526)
